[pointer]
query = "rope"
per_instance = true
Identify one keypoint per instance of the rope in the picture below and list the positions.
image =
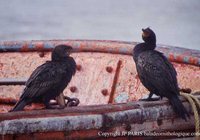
(194, 102)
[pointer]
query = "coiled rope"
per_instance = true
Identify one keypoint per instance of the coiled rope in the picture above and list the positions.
(193, 100)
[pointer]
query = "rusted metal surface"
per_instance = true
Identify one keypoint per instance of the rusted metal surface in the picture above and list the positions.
(130, 88)
(105, 74)
(113, 88)
(175, 54)
(155, 116)
(96, 69)
(93, 78)
(85, 80)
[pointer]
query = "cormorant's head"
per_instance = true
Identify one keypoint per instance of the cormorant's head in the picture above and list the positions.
(148, 36)
(61, 52)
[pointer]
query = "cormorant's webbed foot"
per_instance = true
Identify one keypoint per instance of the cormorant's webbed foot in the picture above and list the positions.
(48, 106)
(61, 103)
(149, 98)
(72, 101)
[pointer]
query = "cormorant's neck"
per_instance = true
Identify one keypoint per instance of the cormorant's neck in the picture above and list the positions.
(150, 45)
(142, 47)
(59, 59)
(150, 42)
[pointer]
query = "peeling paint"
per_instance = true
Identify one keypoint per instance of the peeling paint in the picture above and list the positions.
(69, 123)
(122, 98)
(189, 56)
(133, 113)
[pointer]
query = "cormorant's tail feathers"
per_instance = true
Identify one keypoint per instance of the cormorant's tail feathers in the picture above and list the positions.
(19, 106)
(179, 108)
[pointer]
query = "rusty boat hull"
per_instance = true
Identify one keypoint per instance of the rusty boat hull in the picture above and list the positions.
(107, 86)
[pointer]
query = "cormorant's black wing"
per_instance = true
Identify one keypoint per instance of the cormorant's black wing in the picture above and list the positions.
(72, 65)
(42, 78)
(157, 73)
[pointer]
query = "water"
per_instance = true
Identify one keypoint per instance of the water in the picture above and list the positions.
(176, 22)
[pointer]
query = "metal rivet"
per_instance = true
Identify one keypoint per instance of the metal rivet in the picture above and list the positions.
(41, 54)
(109, 69)
(73, 89)
(78, 67)
(186, 90)
(104, 92)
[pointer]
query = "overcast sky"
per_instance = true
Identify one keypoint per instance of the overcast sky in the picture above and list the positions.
(175, 22)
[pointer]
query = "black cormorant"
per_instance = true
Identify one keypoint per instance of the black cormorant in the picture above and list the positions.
(49, 79)
(156, 73)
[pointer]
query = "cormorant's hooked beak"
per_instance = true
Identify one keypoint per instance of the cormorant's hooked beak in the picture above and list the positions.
(145, 33)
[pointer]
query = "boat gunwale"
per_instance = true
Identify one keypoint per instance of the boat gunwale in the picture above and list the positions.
(174, 54)
(103, 117)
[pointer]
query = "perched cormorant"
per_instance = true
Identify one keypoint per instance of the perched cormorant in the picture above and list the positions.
(49, 79)
(156, 73)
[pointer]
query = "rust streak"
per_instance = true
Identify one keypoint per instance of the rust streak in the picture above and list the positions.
(9, 101)
(25, 48)
(39, 46)
(113, 88)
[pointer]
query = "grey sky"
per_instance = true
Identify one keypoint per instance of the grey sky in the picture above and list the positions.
(176, 22)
